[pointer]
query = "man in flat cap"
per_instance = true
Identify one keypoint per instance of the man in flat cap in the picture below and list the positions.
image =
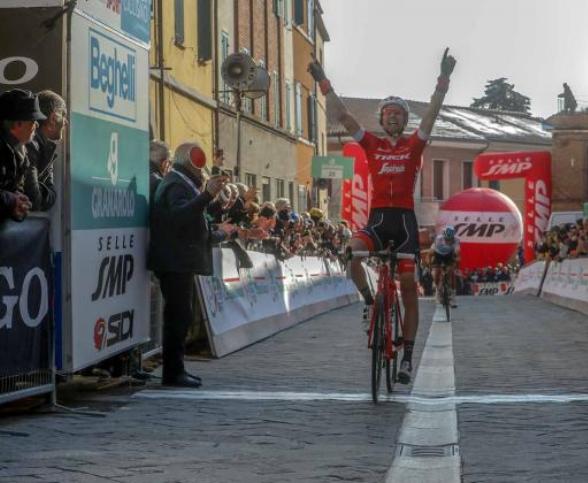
(19, 113)
(42, 150)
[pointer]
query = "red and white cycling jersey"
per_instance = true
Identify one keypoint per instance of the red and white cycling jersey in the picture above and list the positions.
(393, 168)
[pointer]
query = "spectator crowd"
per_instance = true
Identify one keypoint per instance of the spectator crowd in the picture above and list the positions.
(31, 126)
(564, 241)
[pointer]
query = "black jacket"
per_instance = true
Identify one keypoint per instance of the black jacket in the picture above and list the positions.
(16, 174)
(154, 179)
(42, 154)
(181, 238)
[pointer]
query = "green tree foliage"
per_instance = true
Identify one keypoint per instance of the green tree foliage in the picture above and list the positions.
(500, 95)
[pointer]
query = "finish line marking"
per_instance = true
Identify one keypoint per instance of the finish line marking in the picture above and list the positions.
(359, 397)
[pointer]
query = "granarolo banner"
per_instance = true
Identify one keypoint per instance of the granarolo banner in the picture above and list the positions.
(356, 195)
(535, 168)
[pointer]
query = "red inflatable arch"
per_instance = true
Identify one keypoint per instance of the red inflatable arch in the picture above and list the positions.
(535, 168)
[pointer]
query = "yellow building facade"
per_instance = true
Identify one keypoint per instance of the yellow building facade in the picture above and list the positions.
(181, 76)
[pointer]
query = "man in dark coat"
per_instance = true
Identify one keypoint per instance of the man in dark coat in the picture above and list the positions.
(180, 248)
(19, 113)
(42, 150)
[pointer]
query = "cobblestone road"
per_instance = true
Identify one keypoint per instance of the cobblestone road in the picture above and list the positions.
(512, 346)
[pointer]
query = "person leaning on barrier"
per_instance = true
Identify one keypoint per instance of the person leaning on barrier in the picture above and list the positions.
(159, 164)
(180, 248)
(42, 150)
(19, 115)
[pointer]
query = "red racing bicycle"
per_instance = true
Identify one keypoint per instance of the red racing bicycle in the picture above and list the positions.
(386, 324)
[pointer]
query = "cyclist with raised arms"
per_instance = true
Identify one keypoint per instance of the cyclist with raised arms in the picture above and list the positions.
(445, 252)
(394, 162)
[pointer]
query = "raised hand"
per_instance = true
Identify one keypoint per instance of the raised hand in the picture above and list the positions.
(215, 184)
(447, 63)
(22, 206)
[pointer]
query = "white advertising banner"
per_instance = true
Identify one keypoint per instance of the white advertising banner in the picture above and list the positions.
(109, 195)
(247, 305)
(529, 278)
(492, 288)
(566, 283)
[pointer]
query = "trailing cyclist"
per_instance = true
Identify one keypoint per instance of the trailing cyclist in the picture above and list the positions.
(394, 162)
(445, 252)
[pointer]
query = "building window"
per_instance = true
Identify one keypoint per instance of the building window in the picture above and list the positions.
(288, 106)
(298, 12)
(225, 46)
(264, 99)
(250, 180)
(311, 100)
(247, 103)
(310, 17)
(179, 22)
(280, 188)
(291, 192)
(438, 179)
(467, 174)
(204, 30)
(276, 94)
(279, 8)
(266, 189)
(298, 109)
(494, 184)
(301, 198)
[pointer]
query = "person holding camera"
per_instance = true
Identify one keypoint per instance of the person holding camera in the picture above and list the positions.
(180, 248)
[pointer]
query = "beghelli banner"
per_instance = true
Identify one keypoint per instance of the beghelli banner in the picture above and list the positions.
(535, 168)
(26, 297)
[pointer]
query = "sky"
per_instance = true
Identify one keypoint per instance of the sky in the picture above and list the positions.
(394, 47)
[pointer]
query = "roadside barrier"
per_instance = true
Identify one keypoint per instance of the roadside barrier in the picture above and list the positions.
(246, 305)
(530, 278)
(26, 309)
(492, 288)
(566, 283)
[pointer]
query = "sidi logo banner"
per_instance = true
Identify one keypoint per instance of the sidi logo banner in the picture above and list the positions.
(113, 77)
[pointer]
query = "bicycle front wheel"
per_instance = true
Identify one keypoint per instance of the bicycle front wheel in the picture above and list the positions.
(377, 347)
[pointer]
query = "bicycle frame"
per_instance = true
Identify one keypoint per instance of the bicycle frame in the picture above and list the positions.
(387, 288)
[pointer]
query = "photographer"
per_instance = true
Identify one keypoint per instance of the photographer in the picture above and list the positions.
(180, 248)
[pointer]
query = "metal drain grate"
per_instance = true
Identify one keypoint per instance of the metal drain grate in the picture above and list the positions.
(428, 451)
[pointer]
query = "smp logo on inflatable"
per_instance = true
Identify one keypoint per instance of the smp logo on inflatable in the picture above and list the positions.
(22, 295)
(113, 79)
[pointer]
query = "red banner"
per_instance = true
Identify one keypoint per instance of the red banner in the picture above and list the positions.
(535, 168)
(360, 189)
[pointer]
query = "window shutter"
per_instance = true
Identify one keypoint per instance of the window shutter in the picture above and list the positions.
(298, 12)
(204, 30)
(179, 21)
(311, 119)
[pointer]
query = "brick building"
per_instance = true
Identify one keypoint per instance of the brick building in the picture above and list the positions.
(570, 160)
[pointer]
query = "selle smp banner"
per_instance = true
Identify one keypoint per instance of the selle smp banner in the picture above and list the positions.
(26, 297)
(535, 168)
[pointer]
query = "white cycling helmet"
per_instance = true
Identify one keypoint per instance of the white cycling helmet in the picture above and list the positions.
(393, 101)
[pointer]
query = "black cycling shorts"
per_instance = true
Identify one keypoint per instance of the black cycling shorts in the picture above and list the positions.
(439, 259)
(396, 225)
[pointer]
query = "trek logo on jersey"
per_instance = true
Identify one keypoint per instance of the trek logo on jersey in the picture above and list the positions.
(392, 157)
(113, 79)
(392, 169)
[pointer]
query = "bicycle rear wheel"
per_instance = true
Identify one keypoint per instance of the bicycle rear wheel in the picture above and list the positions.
(377, 347)
(392, 364)
(446, 298)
